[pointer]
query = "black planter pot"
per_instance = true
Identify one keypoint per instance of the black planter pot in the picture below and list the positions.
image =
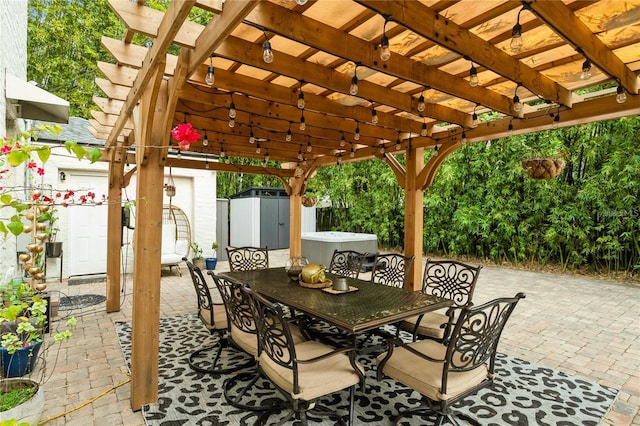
(53, 249)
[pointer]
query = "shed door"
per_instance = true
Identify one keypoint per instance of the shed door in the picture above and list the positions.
(86, 249)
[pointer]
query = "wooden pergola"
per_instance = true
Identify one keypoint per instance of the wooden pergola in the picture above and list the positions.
(449, 63)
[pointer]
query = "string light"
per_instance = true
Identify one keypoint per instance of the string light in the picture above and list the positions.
(252, 138)
(301, 102)
(258, 150)
(556, 120)
(473, 76)
(301, 2)
(288, 135)
(352, 153)
(464, 138)
(421, 104)
(474, 117)
(309, 148)
(398, 145)
(516, 32)
(586, 70)
(206, 161)
(385, 52)
(179, 154)
(222, 153)
(303, 124)
(339, 160)
(423, 131)
(356, 136)
(510, 129)
(232, 108)
(621, 94)
(232, 122)
(267, 53)
(210, 78)
(266, 155)
(435, 148)
(353, 89)
(342, 141)
(205, 139)
(374, 115)
(300, 153)
(517, 105)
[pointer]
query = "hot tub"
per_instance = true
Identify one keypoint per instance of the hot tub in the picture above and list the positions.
(318, 247)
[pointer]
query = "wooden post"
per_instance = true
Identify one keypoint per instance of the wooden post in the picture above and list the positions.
(413, 215)
(147, 245)
(295, 216)
(114, 229)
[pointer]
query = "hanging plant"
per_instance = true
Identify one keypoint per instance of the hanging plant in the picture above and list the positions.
(543, 167)
(309, 201)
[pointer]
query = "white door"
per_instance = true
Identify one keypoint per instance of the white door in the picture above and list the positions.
(86, 249)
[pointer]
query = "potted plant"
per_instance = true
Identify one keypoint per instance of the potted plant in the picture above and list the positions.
(198, 256)
(23, 318)
(213, 261)
(53, 247)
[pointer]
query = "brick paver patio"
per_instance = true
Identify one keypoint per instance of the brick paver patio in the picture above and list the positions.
(583, 326)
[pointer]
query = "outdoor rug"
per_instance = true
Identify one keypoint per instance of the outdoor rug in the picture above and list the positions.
(68, 303)
(523, 393)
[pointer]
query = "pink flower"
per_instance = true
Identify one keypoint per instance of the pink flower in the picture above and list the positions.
(6, 149)
(185, 134)
(31, 165)
(40, 171)
(184, 145)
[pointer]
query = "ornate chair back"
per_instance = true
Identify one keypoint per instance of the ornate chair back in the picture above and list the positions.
(248, 258)
(346, 263)
(391, 269)
(450, 279)
(205, 301)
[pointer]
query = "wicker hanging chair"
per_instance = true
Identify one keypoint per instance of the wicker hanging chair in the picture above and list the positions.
(176, 236)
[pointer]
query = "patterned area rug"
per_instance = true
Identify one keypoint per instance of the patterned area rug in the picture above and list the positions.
(523, 393)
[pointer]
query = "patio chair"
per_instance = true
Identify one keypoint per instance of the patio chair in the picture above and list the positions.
(248, 258)
(391, 269)
(212, 314)
(243, 333)
(445, 373)
(302, 371)
(346, 263)
(444, 278)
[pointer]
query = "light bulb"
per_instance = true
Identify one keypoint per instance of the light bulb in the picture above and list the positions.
(398, 146)
(210, 78)
(475, 120)
(352, 153)
(586, 70)
(421, 104)
(301, 100)
(300, 155)
(205, 140)
(464, 138)
(206, 164)
(288, 136)
(510, 130)
(473, 76)
(356, 136)
(374, 116)
(385, 52)
(309, 147)
(423, 131)
(267, 53)
(303, 125)
(517, 105)
(232, 122)
(301, 2)
(226, 160)
(222, 154)
(266, 156)
(339, 160)
(621, 95)
(353, 90)
(232, 110)
(381, 149)
(342, 141)
(556, 120)
(516, 38)
(258, 150)
(252, 139)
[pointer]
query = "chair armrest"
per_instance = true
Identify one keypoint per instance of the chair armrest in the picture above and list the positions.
(392, 344)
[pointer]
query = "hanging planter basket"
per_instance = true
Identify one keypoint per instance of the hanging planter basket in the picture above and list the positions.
(309, 201)
(543, 167)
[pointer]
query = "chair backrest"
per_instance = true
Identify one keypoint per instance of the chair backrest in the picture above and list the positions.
(475, 336)
(274, 335)
(205, 301)
(346, 263)
(450, 279)
(391, 269)
(239, 313)
(248, 258)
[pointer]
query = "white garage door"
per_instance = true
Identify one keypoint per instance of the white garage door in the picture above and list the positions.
(86, 250)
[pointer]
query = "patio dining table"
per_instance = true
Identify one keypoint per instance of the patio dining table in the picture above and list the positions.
(369, 307)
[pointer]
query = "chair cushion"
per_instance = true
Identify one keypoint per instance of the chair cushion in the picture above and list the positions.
(316, 379)
(219, 317)
(170, 259)
(425, 376)
(430, 325)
